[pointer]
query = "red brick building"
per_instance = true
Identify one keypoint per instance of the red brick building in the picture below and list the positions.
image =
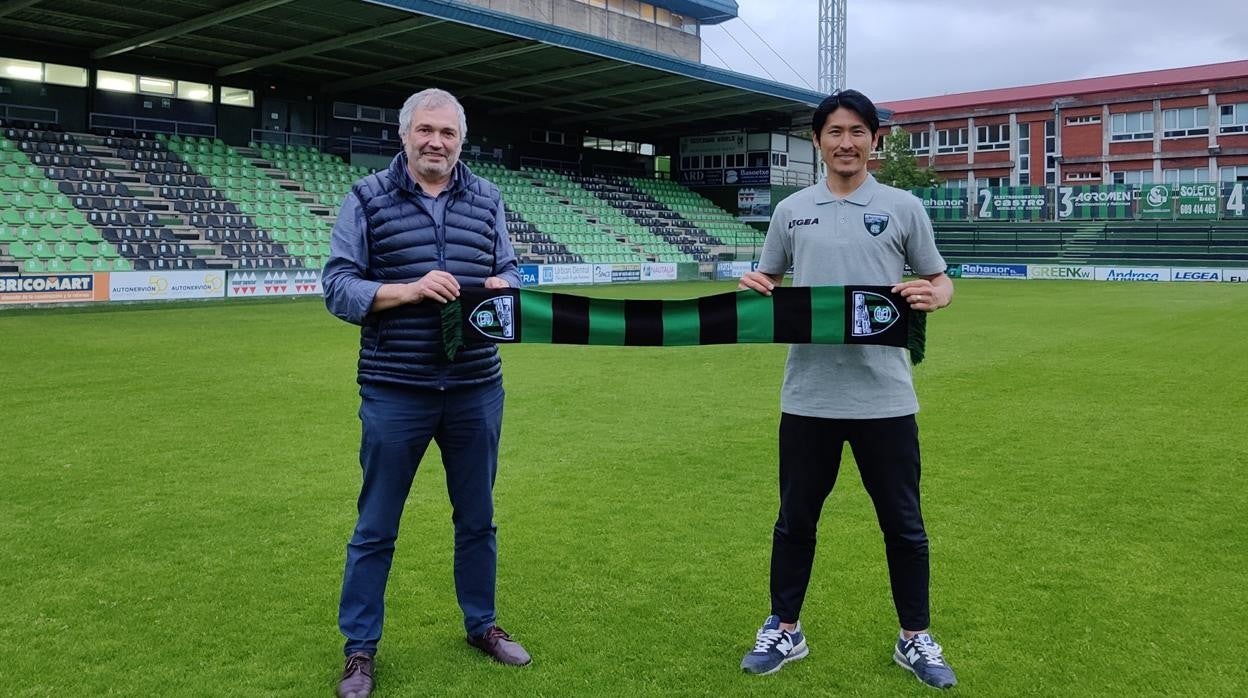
(1162, 126)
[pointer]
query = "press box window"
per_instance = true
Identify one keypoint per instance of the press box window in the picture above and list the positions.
(194, 91)
(237, 97)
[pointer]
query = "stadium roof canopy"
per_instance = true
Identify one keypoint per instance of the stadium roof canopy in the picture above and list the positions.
(380, 51)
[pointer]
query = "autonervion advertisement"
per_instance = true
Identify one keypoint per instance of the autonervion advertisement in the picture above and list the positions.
(166, 285)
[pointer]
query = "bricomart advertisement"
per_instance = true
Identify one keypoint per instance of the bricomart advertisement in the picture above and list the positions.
(53, 288)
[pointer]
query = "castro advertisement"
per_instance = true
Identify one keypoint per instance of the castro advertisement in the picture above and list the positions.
(165, 285)
(246, 284)
(53, 288)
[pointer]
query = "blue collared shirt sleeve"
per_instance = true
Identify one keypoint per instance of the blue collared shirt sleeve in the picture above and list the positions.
(348, 293)
(505, 264)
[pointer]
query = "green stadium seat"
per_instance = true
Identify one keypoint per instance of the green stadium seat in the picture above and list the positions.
(121, 264)
(33, 266)
(101, 264)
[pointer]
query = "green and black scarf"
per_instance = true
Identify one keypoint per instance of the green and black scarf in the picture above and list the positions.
(791, 315)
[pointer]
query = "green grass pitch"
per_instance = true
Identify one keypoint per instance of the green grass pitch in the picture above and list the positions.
(178, 485)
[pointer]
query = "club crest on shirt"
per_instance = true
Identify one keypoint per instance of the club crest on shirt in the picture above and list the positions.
(875, 223)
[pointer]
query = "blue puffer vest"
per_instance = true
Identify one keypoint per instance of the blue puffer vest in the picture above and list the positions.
(403, 345)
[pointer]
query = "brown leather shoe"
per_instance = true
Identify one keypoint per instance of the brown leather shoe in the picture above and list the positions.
(499, 645)
(357, 677)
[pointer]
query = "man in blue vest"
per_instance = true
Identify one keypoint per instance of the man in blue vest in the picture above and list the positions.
(406, 240)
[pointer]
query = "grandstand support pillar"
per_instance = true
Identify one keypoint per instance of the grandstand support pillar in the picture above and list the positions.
(831, 45)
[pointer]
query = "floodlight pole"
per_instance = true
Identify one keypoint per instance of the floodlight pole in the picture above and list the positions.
(831, 45)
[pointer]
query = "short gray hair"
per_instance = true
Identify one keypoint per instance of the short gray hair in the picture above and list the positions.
(431, 98)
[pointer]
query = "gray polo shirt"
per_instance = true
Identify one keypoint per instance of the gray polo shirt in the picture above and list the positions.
(865, 238)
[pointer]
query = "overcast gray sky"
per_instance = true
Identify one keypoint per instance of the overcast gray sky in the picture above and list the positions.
(901, 49)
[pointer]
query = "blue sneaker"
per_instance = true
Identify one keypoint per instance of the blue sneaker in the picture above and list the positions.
(920, 655)
(774, 647)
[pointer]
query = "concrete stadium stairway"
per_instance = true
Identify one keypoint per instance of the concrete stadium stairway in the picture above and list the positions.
(1078, 248)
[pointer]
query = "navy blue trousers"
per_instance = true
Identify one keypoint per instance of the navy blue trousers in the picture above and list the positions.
(398, 424)
(887, 453)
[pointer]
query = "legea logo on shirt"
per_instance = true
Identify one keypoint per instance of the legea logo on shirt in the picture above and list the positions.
(802, 221)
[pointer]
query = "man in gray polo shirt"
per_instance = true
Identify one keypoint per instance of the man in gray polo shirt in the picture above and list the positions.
(850, 229)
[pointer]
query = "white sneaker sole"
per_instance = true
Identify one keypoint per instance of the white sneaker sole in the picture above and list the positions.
(798, 652)
(901, 662)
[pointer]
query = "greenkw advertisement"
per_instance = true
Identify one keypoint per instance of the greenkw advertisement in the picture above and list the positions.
(1156, 202)
(1012, 203)
(943, 203)
(1095, 202)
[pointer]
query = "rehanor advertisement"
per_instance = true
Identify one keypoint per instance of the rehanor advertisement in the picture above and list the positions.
(53, 288)
(165, 285)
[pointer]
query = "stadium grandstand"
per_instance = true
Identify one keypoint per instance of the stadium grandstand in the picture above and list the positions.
(1144, 168)
(211, 134)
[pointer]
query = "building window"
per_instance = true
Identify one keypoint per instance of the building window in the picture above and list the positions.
(779, 159)
(1083, 176)
(1233, 173)
(1083, 120)
(1132, 126)
(954, 183)
(691, 162)
(735, 160)
(1190, 175)
(1024, 154)
(1233, 118)
(1179, 123)
(984, 182)
(1132, 177)
(921, 142)
(996, 137)
(951, 140)
(237, 97)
